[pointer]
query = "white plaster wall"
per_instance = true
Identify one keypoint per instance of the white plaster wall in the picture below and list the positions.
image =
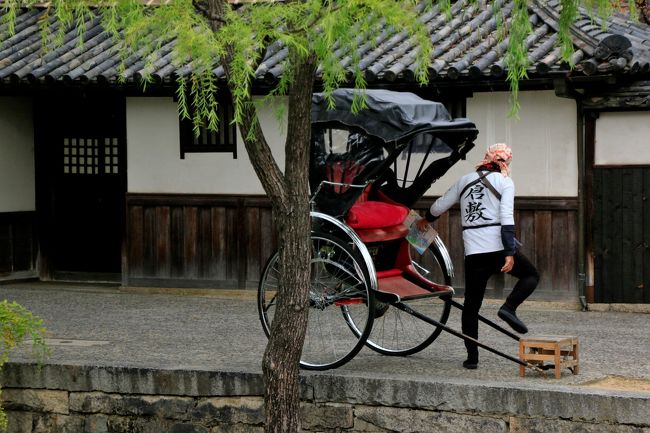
(16, 155)
(153, 154)
(543, 140)
(623, 138)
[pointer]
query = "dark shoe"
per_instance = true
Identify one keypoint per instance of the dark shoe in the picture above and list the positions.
(470, 365)
(508, 315)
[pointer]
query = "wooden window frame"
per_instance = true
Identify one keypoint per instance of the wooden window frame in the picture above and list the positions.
(224, 140)
(90, 155)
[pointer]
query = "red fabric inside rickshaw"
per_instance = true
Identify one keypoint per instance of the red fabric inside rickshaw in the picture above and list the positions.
(342, 173)
(375, 215)
(373, 220)
(376, 221)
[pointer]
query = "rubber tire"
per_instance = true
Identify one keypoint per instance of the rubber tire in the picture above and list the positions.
(269, 278)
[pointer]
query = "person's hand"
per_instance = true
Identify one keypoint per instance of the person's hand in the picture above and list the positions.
(510, 262)
(422, 225)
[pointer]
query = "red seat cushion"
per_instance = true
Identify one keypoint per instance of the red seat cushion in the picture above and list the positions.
(383, 234)
(375, 215)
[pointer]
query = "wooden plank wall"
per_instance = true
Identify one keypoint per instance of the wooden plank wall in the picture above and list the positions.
(224, 241)
(621, 221)
(196, 240)
(17, 243)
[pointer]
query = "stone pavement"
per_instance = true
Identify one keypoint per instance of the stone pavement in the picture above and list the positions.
(219, 331)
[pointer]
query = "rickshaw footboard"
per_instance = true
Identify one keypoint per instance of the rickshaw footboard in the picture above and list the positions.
(404, 285)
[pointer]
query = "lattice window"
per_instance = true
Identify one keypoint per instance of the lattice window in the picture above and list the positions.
(111, 156)
(90, 156)
(224, 140)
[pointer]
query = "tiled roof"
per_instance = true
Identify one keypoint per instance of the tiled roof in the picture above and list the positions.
(466, 47)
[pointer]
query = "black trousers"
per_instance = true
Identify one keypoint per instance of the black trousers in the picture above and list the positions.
(478, 270)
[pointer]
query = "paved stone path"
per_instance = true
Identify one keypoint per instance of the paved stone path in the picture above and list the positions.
(106, 326)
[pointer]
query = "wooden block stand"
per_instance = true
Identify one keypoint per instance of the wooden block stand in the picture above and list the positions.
(560, 350)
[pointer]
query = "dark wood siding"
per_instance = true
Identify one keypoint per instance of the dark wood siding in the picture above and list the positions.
(17, 243)
(197, 240)
(621, 221)
(224, 241)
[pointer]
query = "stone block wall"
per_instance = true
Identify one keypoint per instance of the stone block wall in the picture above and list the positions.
(47, 411)
(73, 399)
(51, 411)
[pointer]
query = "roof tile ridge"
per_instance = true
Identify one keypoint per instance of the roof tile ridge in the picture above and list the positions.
(385, 51)
(489, 43)
(79, 54)
(580, 38)
(498, 68)
(364, 45)
(90, 59)
(165, 57)
(22, 38)
(50, 59)
(444, 50)
(497, 50)
(23, 20)
(382, 46)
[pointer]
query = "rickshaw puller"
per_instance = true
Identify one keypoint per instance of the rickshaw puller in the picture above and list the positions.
(486, 199)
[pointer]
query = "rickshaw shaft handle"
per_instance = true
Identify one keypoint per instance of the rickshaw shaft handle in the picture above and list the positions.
(452, 331)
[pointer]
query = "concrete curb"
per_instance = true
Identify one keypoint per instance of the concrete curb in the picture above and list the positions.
(131, 380)
(581, 404)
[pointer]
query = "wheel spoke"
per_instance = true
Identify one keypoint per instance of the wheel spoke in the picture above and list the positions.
(395, 332)
(338, 284)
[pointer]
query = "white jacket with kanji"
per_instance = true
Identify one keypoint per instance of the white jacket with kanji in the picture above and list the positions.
(482, 213)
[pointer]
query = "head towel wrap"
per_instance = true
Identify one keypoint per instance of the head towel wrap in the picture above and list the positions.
(499, 154)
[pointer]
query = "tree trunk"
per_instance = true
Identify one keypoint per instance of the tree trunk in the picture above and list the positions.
(289, 195)
(282, 356)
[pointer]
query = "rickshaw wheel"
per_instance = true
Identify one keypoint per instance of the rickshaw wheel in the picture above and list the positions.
(397, 333)
(339, 293)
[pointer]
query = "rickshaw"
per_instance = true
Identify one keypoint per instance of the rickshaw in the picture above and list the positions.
(370, 286)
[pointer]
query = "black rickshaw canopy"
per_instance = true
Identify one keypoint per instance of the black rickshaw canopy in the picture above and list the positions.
(391, 125)
(389, 115)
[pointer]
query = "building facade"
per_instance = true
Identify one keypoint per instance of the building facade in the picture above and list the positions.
(99, 180)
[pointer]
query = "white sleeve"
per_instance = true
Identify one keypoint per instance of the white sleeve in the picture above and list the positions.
(448, 199)
(507, 205)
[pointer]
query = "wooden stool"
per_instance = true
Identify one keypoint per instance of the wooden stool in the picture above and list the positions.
(561, 350)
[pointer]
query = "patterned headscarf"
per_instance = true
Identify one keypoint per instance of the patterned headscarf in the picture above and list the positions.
(499, 154)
